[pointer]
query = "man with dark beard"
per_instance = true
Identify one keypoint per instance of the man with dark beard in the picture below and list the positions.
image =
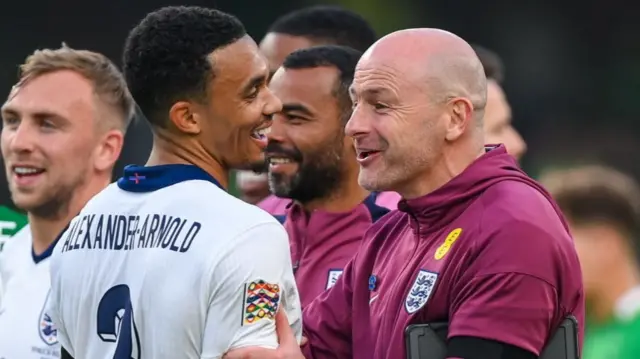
(312, 162)
(303, 28)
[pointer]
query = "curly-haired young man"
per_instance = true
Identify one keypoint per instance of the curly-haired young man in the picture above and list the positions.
(165, 263)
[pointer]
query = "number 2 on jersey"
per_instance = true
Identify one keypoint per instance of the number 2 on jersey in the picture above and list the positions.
(116, 323)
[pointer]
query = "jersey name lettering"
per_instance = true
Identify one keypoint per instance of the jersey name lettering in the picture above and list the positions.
(119, 232)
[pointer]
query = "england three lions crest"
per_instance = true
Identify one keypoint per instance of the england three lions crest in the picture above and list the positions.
(46, 328)
(420, 291)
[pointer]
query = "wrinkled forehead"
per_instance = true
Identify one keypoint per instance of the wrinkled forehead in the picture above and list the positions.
(385, 72)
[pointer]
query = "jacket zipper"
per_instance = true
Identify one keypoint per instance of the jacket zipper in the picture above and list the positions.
(416, 233)
(301, 248)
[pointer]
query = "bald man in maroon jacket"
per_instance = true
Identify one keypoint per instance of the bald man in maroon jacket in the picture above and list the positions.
(475, 243)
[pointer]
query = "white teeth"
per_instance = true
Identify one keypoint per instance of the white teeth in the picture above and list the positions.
(25, 170)
(264, 131)
(278, 160)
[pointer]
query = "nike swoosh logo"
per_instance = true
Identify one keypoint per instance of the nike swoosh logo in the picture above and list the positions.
(374, 298)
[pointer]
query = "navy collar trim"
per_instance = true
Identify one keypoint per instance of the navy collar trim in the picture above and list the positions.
(153, 178)
(375, 211)
(37, 258)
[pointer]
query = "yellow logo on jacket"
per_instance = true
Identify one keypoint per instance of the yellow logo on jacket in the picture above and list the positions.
(448, 242)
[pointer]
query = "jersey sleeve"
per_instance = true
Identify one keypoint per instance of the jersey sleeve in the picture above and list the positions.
(327, 320)
(503, 295)
(253, 279)
(54, 309)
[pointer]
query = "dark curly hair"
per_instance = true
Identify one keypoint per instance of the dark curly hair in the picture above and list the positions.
(327, 25)
(165, 57)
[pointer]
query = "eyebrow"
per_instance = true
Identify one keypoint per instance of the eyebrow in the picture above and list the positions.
(371, 91)
(39, 115)
(8, 111)
(296, 107)
(255, 82)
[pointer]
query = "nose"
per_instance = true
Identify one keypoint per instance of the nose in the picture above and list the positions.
(517, 146)
(272, 103)
(358, 124)
(277, 133)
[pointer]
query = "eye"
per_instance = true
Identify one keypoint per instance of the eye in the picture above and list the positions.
(48, 124)
(254, 93)
(379, 106)
(294, 119)
(11, 121)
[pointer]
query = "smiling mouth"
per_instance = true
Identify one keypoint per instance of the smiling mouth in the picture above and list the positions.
(275, 161)
(364, 154)
(25, 171)
(279, 160)
(261, 134)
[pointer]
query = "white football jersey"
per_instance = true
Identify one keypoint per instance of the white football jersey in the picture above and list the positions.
(166, 264)
(26, 330)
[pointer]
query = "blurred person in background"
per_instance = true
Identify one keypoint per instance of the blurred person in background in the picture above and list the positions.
(312, 162)
(59, 149)
(313, 26)
(602, 206)
(497, 115)
(251, 186)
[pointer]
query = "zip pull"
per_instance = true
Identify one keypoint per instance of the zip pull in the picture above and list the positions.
(372, 282)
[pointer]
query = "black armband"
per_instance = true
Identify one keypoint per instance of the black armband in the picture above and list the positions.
(65, 354)
(478, 348)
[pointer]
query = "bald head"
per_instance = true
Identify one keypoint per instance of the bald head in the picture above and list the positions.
(441, 63)
(419, 98)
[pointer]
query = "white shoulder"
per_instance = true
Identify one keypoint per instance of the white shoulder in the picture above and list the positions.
(18, 243)
(220, 206)
(101, 199)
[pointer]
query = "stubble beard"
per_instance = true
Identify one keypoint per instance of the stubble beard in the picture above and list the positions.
(56, 203)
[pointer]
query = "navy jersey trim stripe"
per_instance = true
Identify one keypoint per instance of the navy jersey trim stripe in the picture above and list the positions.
(153, 178)
(280, 217)
(375, 211)
(37, 258)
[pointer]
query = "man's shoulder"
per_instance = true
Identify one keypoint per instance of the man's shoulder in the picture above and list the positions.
(16, 254)
(520, 231)
(191, 198)
(19, 244)
(274, 205)
(244, 215)
(514, 203)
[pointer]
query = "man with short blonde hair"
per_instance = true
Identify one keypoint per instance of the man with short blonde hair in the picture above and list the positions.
(63, 129)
